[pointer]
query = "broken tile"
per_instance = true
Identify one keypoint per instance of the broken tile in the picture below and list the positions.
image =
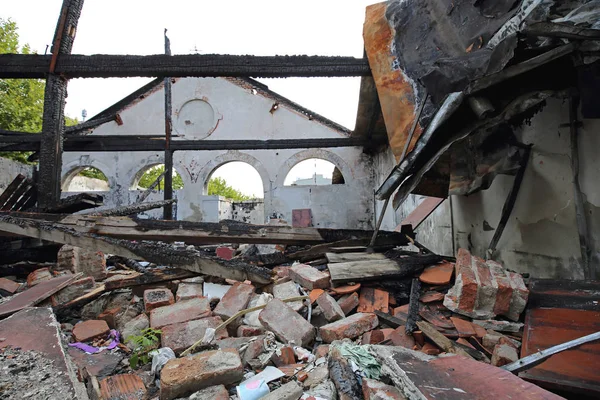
(504, 354)
(430, 297)
(182, 335)
(154, 298)
(288, 290)
(180, 312)
(314, 295)
(464, 328)
(350, 327)
(349, 289)
(86, 331)
(284, 356)
(124, 386)
(8, 286)
(348, 303)
(440, 274)
(187, 291)
(399, 337)
(499, 326)
(309, 277)
(183, 376)
(465, 342)
(331, 309)
(430, 349)
(286, 324)
(37, 276)
(372, 299)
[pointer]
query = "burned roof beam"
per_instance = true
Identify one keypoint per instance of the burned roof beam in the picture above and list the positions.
(30, 142)
(198, 65)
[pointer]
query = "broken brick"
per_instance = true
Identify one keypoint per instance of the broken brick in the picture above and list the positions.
(376, 390)
(76, 259)
(430, 297)
(314, 295)
(330, 308)
(154, 298)
(183, 376)
(182, 335)
(504, 354)
(110, 316)
(124, 386)
(289, 391)
(376, 336)
(349, 289)
(430, 349)
(187, 291)
(180, 312)
(348, 303)
(519, 298)
(37, 276)
(400, 338)
(350, 327)
(372, 299)
(73, 291)
(309, 277)
(91, 329)
(284, 356)
(249, 330)
(419, 337)
(236, 299)
(249, 348)
(134, 328)
(8, 286)
(100, 364)
(218, 392)
(286, 324)
(288, 290)
(464, 328)
(224, 252)
(282, 272)
(322, 350)
(440, 274)
(465, 342)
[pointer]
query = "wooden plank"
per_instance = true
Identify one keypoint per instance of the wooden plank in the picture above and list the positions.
(392, 322)
(148, 277)
(563, 293)
(357, 271)
(420, 214)
(348, 257)
(574, 370)
(440, 340)
(36, 294)
(413, 306)
(10, 189)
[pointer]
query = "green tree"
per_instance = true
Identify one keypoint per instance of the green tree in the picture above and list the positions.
(21, 100)
(91, 172)
(218, 186)
(152, 175)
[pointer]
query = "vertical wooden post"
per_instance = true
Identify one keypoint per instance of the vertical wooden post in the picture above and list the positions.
(53, 124)
(168, 193)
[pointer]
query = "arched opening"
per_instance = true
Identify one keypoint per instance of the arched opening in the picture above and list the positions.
(314, 172)
(85, 179)
(240, 190)
(153, 176)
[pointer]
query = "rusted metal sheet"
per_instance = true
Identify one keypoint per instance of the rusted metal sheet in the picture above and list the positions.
(574, 370)
(394, 89)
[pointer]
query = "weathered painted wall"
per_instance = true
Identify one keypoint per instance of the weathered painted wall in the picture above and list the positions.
(219, 109)
(9, 171)
(86, 184)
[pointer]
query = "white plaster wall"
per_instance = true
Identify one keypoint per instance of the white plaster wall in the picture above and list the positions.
(238, 114)
(10, 169)
(251, 211)
(85, 184)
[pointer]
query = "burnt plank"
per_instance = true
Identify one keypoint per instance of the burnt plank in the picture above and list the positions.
(149, 276)
(10, 189)
(563, 293)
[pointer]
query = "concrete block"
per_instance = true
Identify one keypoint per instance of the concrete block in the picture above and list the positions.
(89, 330)
(309, 277)
(182, 335)
(286, 324)
(183, 376)
(154, 298)
(331, 309)
(351, 327)
(180, 312)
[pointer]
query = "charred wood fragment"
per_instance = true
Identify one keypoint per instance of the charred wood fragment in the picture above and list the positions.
(413, 308)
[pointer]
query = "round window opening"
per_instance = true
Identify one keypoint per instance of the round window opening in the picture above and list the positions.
(196, 118)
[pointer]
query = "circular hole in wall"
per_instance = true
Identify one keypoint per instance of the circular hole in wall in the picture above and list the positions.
(196, 118)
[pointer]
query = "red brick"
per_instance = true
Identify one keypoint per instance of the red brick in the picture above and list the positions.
(76, 259)
(402, 311)
(37, 276)
(376, 336)
(462, 296)
(349, 303)
(504, 354)
(504, 290)
(419, 337)
(288, 290)
(226, 253)
(431, 297)
(282, 272)
(248, 330)
(180, 312)
(154, 298)
(182, 335)
(286, 324)
(181, 377)
(376, 390)
(302, 218)
(520, 296)
(350, 327)
(250, 347)
(309, 277)
(187, 291)
(331, 309)
(110, 316)
(125, 386)
(284, 356)
(236, 299)
(8, 286)
(372, 299)
(88, 330)
(440, 274)
(322, 350)
(71, 292)
(400, 338)
(218, 392)
(430, 349)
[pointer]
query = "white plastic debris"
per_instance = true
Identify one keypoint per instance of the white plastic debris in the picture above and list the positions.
(214, 290)
(159, 358)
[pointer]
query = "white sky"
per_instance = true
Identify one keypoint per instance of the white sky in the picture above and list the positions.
(259, 27)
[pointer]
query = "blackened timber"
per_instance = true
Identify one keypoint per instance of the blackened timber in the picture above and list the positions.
(53, 123)
(413, 307)
(97, 143)
(9, 191)
(168, 192)
(197, 65)
(130, 209)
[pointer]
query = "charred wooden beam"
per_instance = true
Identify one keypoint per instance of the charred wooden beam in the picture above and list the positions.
(168, 192)
(413, 308)
(53, 123)
(130, 209)
(93, 143)
(199, 65)
(77, 202)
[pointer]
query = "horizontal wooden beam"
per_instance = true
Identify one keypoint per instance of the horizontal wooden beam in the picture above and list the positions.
(198, 65)
(97, 143)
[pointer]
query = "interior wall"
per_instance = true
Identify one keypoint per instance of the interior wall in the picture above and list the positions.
(10, 169)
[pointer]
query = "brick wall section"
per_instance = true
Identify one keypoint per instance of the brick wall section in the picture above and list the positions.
(484, 289)
(76, 259)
